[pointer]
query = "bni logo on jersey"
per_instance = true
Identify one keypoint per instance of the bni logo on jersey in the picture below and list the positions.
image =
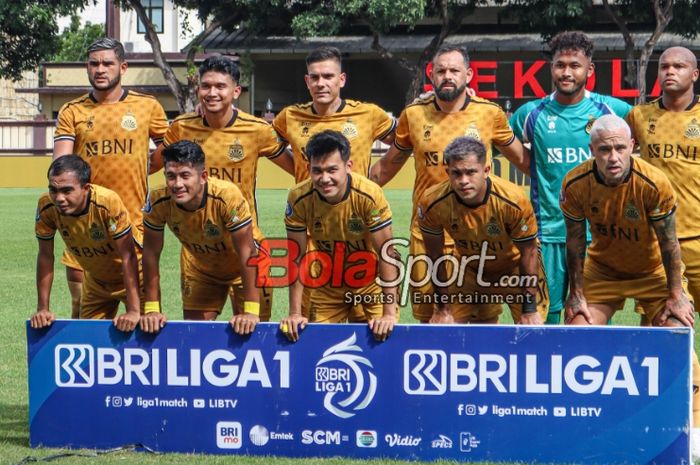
(74, 365)
(346, 377)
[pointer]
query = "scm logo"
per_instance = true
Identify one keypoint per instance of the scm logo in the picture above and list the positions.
(320, 437)
(228, 435)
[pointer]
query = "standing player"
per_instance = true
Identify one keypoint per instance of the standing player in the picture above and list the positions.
(95, 226)
(340, 209)
(361, 123)
(668, 133)
(233, 142)
(110, 129)
(483, 214)
(427, 126)
(557, 129)
(211, 219)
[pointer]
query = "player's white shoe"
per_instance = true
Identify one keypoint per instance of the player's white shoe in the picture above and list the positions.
(695, 444)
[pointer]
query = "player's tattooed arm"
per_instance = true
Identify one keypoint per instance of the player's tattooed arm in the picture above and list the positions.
(575, 255)
(386, 168)
(529, 259)
(434, 248)
(44, 278)
(677, 305)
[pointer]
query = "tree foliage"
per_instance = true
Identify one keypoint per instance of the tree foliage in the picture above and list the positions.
(29, 32)
(75, 40)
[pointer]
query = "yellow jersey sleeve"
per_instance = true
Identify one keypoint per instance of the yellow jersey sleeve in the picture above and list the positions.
(156, 217)
(158, 124)
(428, 214)
(377, 214)
(521, 222)
(172, 134)
(570, 203)
(236, 210)
(65, 126)
(662, 201)
(271, 144)
(402, 141)
(383, 123)
(295, 214)
(45, 224)
(280, 125)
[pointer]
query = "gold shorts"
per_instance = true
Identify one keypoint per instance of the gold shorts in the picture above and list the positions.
(422, 310)
(649, 291)
(100, 300)
(337, 305)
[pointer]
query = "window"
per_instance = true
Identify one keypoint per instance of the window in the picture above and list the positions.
(154, 11)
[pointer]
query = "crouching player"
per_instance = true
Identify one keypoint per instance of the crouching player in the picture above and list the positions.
(212, 221)
(495, 233)
(346, 216)
(634, 252)
(96, 228)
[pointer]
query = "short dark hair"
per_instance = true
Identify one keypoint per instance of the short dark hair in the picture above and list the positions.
(571, 40)
(323, 54)
(448, 48)
(221, 64)
(463, 146)
(108, 43)
(326, 142)
(71, 163)
(184, 152)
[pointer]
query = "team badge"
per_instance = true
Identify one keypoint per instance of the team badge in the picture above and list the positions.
(427, 131)
(693, 130)
(349, 129)
(211, 230)
(492, 228)
(594, 209)
(472, 131)
(235, 151)
(589, 125)
(631, 212)
(454, 226)
(355, 225)
(97, 233)
(64, 232)
(651, 128)
(305, 128)
(129, 122)
(90, 123)
(176, 228)
(318, 225)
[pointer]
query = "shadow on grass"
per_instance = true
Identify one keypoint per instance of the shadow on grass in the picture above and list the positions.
(14, 426)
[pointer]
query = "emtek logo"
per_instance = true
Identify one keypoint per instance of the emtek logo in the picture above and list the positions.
(228, 435)
(425, 372)
(75, 365)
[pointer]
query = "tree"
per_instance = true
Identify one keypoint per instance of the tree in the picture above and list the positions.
(75, 40)
(29, 33)
(551, 16)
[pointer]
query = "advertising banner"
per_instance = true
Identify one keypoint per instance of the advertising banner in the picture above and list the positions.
(470, 393)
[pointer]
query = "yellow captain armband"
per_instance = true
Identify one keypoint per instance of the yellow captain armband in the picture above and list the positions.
(251, 307)
(151, 306)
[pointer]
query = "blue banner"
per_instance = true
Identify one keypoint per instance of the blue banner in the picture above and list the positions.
(470, 393)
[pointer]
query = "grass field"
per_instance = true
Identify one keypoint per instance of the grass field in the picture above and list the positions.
(18, 301)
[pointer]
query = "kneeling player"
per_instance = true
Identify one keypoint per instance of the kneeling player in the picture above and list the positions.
(346, 216)
(495, 233)
(212, 221)
(634, 252)
(95, 227)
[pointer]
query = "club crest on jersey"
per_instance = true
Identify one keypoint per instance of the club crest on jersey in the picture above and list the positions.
(651, 127)
(235, 151)
(472, 131)
(589, 125)
(129, 122)
(693, 129)
(631, 212)
(305, 128)
(349, 129)
(97, 233)
(492, 228)
(427, 131)
(355, 225)
(454, 226)
(90, 123)
(211, 230)
(318, 225)
(64, 232)
(176, 228)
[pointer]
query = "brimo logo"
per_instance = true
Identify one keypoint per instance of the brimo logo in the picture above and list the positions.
(352, 265)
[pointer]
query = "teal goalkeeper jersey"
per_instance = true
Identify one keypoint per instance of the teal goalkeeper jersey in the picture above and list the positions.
(558, 136)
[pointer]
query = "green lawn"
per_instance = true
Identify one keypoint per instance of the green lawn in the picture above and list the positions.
(18, 297)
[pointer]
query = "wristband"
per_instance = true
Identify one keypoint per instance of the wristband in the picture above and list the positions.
(529, 303)
(251, 307)
(151, 306)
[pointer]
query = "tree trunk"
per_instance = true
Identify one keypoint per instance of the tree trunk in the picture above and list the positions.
(174, 85)
(630, 59)
(663, 14)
